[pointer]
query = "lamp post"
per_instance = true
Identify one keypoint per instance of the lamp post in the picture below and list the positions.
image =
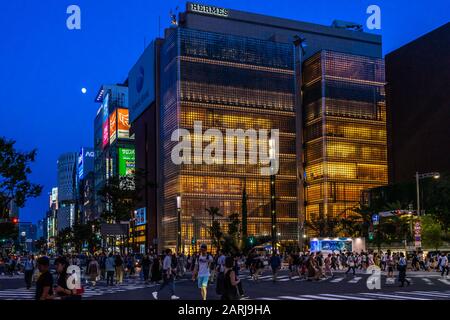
(178, 223)
(299, 50)
(419, 176)
(272, 155)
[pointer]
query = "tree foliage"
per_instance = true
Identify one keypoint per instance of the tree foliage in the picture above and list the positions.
(14, 172)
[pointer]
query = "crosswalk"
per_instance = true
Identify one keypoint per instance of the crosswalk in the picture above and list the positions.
(397, 295)
(340, 278)
(89, 291)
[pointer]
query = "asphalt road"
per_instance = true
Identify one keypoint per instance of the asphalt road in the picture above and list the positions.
(424, 286)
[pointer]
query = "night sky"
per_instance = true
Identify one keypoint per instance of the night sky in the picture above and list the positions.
(43, 65)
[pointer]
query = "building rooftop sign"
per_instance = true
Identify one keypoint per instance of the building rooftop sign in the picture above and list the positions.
(200, 8)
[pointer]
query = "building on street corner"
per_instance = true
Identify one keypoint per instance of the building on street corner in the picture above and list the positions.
(228, 69)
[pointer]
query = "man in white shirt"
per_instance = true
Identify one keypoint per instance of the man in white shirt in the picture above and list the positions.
(168, 276)
(201, 270)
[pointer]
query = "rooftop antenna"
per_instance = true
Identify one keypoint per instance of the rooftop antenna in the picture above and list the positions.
(173, 17)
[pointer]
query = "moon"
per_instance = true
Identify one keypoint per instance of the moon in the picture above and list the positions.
(83, 90)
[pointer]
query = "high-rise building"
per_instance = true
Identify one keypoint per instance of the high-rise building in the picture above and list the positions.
(228, 69)
(67, 165)
(85, 185)
(345, 131)
(417, 95)
(111, 138)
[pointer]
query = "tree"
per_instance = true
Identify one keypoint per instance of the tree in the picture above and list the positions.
(63, 239)
(14, 171)
(85, 233)
(431, 232)
(323, 226)
(215, 231)
(213, 212)
(437, 199)
(231, 241)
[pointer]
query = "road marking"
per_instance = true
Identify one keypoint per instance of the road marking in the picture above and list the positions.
(337, 280)
(444, 281)
(294, 298)
(429, 294)
(355, 280)
(267, 299)
(428, 281)
(320, 297)
(393, 296)
(347, 297)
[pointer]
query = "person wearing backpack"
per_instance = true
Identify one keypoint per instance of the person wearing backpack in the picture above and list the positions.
(29, 266)
(275, 264)
(230, 281)
(402, 270)
(202, 270)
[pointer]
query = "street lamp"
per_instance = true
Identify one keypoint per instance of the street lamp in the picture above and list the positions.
(419, 176)
(178, 223)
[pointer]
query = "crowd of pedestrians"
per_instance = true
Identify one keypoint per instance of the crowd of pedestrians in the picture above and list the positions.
(221, 269)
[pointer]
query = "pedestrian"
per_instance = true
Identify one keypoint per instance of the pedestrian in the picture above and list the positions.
(390, 264)
(93, 269)
(168, 276)
(328, 266)
(230, 280)
(146, 262)
(443, 264)
(109, 268)
(44, 284)
(402, 270)
(61, 289)
(351, 263)
(202, 270)
(156, 270)
(118, 263)
(275, 264)
(28, 269)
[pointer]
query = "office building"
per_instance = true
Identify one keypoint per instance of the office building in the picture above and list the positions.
(236, 70)
(417, 76)
(67, 164)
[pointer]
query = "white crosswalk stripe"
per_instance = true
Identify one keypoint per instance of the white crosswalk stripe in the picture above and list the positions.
(398, 295)
(336, 280)
(392, 296)
(444, 281)
(294, 298)
(355, 280)
(25, 294)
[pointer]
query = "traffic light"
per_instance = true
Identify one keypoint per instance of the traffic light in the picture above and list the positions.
(251, 240)
(370, 236)
(15, 220)
(193, 241)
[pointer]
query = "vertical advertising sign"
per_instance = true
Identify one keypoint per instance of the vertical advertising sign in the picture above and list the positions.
(141, 217)
(123, 124)
(417, 234)
(105, 119)
(126, 161)
(113, 126)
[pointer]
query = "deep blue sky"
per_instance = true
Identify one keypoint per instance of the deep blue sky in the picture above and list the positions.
(43, 65)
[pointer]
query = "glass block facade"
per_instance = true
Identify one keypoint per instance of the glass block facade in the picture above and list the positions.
(226, 82)
(345, 131)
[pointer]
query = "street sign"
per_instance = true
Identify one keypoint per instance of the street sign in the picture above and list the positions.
(375, 219)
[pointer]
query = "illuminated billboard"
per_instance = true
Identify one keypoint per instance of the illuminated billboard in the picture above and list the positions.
(85, 162)
(141, 217)
(105, 134)
(123, 125)
(112, 127)
(126, 161)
